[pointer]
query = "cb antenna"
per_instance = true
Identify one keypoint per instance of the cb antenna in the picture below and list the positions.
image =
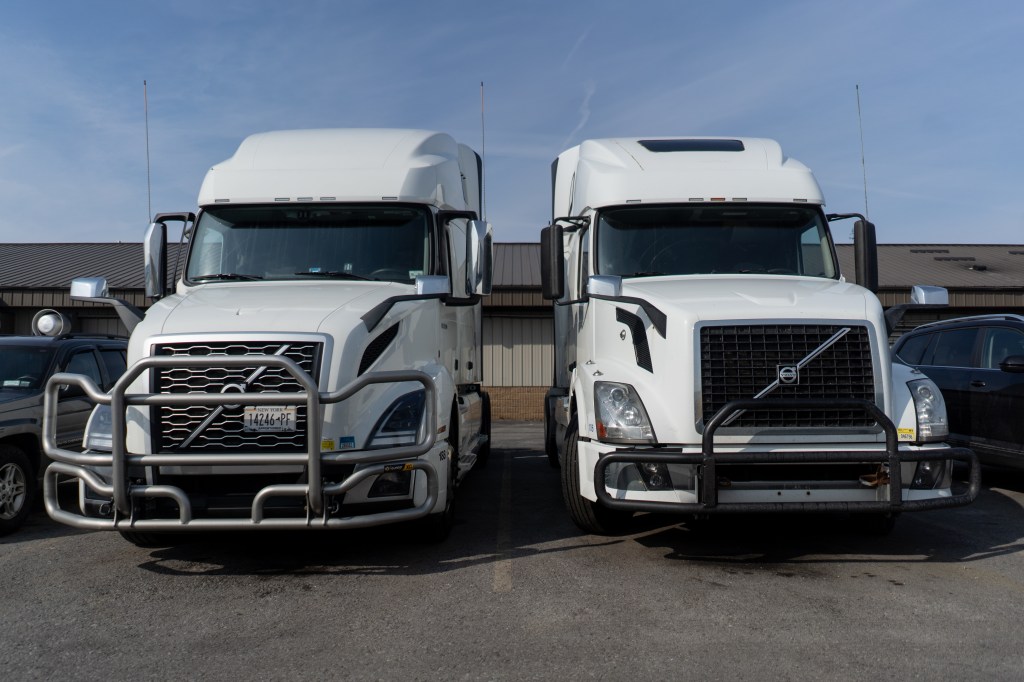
(149, 183)
(863, 166)
(483, 157)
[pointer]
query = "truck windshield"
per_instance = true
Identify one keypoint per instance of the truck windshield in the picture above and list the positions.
(390, 243)
(637, 241)
(23, 367)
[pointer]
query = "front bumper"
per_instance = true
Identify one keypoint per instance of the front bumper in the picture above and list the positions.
(315, 499)
(711, 495)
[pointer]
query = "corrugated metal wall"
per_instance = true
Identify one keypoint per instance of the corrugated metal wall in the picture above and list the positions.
(517, 351)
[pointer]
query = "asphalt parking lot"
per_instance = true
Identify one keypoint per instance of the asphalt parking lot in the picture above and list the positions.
(517, 592)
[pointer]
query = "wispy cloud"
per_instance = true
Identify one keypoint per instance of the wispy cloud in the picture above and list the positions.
(575, 48)
(589, 88)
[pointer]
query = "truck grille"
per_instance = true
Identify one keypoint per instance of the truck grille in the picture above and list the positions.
(741, 361)
(199, 428)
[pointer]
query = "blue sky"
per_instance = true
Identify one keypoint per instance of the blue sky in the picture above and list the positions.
(941, 86)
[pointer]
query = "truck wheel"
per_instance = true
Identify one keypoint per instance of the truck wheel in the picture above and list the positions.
(591, 517)
(550, 442)
(437, 526)
(17, 488)
(484, 453)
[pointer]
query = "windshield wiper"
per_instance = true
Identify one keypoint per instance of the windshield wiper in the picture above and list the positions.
(225, 276)
(332, 274)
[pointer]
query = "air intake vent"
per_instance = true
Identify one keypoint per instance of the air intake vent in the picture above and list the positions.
(377, 347)
(639, 334)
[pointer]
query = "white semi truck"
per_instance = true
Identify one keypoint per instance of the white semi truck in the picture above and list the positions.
(317, 364)
(711, 358)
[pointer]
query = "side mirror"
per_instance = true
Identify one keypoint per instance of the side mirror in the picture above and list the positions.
(922, 294)
(479, 257)
(1013, 364)
(865, 252)
(155, 248)
(552, 263)
(69, 391)
(94, 290)
(89, 288)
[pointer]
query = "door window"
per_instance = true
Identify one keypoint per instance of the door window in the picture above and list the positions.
(999, 344)
(913, 349)
(85, 363)
(953, 348)
(115, 364)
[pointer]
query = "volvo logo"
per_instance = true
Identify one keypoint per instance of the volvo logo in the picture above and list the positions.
(789, 374)
(232, 388)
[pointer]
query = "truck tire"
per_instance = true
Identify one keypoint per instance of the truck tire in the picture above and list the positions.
(17, 488)
(589, 516)
(483, 455)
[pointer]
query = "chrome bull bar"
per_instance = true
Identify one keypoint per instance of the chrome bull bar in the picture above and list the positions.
(121, 492)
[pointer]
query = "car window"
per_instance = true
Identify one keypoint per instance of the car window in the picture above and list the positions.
(114, 362)
(953, 348)
(1000, 343)
(913, 348)
(84, 362)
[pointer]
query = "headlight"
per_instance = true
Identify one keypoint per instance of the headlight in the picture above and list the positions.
(99, 430)
(621, 417)
(930, 409)
(401, 422)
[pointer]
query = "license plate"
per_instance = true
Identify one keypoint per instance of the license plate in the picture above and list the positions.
(269, 418)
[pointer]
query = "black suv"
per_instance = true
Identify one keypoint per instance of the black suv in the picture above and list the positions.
(978, 364)
(26, 362)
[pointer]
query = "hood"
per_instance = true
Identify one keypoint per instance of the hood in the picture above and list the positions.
(265, 306)
(731, 297)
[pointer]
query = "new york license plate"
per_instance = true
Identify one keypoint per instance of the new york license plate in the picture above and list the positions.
(269, 418)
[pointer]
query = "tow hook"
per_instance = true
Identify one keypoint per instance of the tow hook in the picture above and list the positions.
(880, 477)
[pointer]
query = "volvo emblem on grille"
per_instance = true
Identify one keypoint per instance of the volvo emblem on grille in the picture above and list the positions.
(789, 374)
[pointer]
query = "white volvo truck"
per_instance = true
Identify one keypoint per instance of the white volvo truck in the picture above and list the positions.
(711, 358)
(318, 362)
